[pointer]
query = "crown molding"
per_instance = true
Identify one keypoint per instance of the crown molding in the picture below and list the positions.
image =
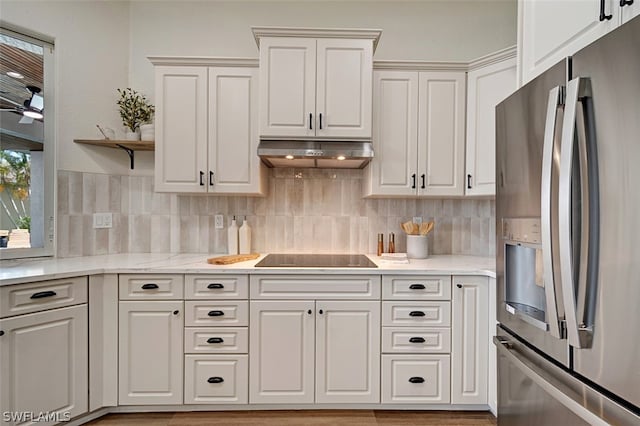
(204, 61)
(492, 58)
(367, 34)
(420, 66)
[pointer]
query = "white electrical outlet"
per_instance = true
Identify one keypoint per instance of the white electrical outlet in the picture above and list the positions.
(102, 220)
(219, 221)
(417, 220)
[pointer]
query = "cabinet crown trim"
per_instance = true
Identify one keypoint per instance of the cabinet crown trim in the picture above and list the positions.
(359, 33)
(492, 58)
(204, 61)
(394, 65)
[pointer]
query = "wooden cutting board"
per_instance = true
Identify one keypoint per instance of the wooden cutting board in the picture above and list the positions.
(232, 258)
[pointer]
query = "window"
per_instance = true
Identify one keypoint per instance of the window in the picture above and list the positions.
(27, 160)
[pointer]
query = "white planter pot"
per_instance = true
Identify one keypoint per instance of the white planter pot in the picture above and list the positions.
(132, 136)
(147, 132)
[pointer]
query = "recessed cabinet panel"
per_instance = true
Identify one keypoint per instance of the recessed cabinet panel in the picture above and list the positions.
(436, 314)
(181, 128)
(347, 352)
(406, 287)
(216, 379)
(148, 287)
(344, 88)
(416, 340)
(216, 340)
(216, 313)
(25, 298)
(288, 84)
(43, 362)
(413, 379)
(282, 342)
(216, 286)
(441, 132)
(315, 287)
(233, 132)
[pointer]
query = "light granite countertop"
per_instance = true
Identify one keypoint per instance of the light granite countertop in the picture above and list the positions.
(27, 270)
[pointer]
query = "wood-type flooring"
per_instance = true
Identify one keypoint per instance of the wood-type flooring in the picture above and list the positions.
(302, 417)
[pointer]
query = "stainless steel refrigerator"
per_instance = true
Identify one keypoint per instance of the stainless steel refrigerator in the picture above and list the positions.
(568, 240)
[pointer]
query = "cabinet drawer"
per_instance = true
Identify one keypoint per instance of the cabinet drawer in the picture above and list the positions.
(216, 313)
(216, 286)
(416, 340)
(437, 314)
(211, 340)
(415, 379)
(26, 298)
(147, 287)
(309, 287)
(211, 379)
(403, 287)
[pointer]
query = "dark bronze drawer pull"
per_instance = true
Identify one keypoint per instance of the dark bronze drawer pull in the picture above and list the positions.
(416, 314)
(43, 294)
(214, 286)
(416, 340)
(215, 340)
(215, 313)
(416, 380)
(215, 380)
(416, 287)
(150, 286)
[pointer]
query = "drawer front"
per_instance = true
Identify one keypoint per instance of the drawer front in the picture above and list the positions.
(212, 340)
(148, 287)
(416, 340)
(211, 379)
(38, 296)
(216, 313)
(435, 314)
(403, 287)
(319, 287)
(415, 379)
(216, 287)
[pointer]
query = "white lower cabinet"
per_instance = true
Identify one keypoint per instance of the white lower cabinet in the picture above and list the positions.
(470, 340)
(150, 352)
(43, 364)
(338, 340)
(215, 379)
(415, 379)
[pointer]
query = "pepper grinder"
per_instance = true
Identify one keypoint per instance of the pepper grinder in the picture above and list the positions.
(392, 243)
(380, 244)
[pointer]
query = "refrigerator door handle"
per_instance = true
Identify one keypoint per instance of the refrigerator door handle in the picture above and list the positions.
(579, 297)
(544, 380)
(548, 218)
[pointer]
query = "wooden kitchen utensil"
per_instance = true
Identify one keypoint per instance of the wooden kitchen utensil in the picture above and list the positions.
(427, 227)
(233, 258)
(407, 227)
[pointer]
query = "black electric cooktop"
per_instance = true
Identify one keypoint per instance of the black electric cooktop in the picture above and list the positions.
(278, 260)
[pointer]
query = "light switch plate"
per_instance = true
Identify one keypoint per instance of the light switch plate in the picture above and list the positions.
(417, 220)
(102, 220)
(219, 219)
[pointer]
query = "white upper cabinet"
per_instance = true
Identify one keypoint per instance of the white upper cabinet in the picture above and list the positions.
(418, 134)
(181, 128)
(487, 86)
(207, 134)
(551, 30)
(315, 83)
(395, 133)
(288, 90)
(441, 106)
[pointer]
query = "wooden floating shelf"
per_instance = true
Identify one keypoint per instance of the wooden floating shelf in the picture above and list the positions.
(129, 146)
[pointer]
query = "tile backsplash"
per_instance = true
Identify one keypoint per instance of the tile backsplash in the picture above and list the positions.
(305, 211)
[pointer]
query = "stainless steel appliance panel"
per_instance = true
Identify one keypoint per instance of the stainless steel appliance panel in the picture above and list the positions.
(521, 120)
(612, 66)
(534, 391)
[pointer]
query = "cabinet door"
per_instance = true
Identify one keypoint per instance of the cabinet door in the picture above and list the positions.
(282, 342)
(348, 352)
(181, 129)
(43, 363)
(395, 135)
(551, 30)
(486, 88)
(441, 133)
(234, 166)
(469, 340)
(343, 97)
(629, 11)
(150, 352)
(287, 86)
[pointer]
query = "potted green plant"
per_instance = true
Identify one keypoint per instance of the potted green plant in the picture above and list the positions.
(135, 110)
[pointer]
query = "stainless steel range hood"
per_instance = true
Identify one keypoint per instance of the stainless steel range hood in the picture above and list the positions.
(316, 154)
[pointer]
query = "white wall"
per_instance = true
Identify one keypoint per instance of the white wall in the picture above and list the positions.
(103, 45)
(92, 59)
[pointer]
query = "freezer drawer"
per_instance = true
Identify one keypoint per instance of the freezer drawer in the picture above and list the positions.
(533, 391)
